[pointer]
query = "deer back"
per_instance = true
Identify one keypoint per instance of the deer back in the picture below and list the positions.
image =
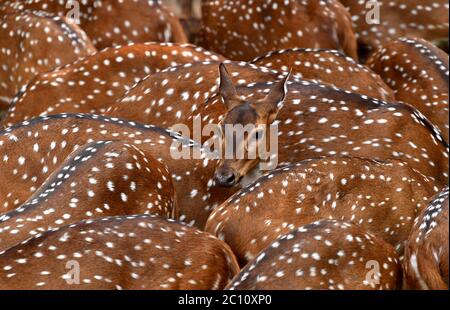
(93, 84)
(426, 253)
(114, 22)
(34, 42)
(243, 32)
(324, 255)
(327, 188)
(105, 178)
(133, 252)
(328, 67)
(417, 71)
(389, 20)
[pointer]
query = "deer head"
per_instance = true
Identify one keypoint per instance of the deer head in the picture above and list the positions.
(244, 128)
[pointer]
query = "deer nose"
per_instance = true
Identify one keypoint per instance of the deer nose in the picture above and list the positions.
(226, 178)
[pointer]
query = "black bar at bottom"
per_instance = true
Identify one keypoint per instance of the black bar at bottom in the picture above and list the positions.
(213, 299)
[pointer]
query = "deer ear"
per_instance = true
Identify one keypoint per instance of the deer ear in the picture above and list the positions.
(273, 101)
(226, 89)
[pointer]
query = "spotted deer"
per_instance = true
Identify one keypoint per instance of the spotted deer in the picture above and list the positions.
(45, 142)
(139, 252)
(92, 84)
(244, 31)
(112, 22)
(315, 120)
(329, 67)
(426, 253)
(169, 97)
(327, 188)
(417, 71)
(34, 42)
(377, 22)
(104, 178)
(323, 255)
(175, 95)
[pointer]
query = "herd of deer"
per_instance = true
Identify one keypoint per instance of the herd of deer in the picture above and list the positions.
(91, 196)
